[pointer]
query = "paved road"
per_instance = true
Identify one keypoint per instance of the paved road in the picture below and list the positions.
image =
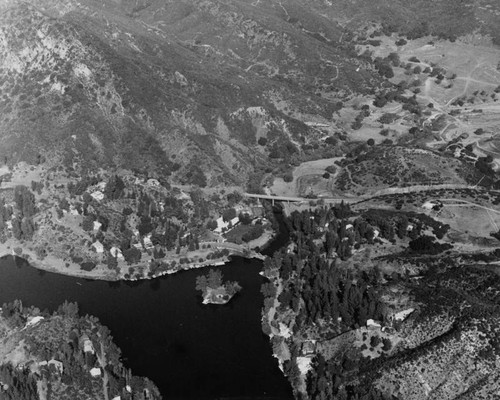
(302, 199)
(387, 191)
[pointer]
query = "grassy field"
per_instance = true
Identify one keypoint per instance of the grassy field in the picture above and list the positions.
(469, 220)
(307, 178)
(459, 99)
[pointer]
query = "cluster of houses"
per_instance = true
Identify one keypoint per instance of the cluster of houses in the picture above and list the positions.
(88, 347)
(97, 193)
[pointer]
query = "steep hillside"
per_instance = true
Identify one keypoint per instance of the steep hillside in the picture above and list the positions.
(155, 87)
(447, 19)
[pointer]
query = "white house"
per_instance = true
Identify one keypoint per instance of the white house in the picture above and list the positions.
(88, 347)
(117, 253)
(148, 244)
(153, 182)
(98, 247)
(221, 224)
(370, 323)
(33, 321)
(95, 372)
(97, 226)
(304, 364)
(97, 195)
(402, 315)
(430, 204)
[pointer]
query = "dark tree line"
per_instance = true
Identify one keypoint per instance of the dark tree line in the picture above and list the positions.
(23, 226)
(17, 384)
(325, 290)
(316, 281)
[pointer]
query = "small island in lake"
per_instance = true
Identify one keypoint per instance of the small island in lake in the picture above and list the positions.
(214, 291)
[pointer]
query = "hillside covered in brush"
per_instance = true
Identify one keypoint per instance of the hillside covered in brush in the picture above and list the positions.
(186, 89)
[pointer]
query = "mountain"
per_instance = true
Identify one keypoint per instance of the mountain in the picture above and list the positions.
(180, 88)
(448, 19)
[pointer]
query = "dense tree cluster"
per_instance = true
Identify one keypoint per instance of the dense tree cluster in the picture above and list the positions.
(114, 187)
(484, 165)
(254, 233)
(214, 280)
(62, 337)
(314, 280)
(23, 226)
(319, 289)
(17, 384)
(5, 215)
(326, 291)
(428, 245)
(383, 68)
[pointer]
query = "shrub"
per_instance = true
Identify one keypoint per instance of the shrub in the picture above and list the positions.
(331, 140)
(427, 245)
(132, 255)
(88, 223)
(262, 141)
(255, 233)
(228, 214)
(87, 266)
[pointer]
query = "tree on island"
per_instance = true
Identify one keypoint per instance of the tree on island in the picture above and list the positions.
(213, 282)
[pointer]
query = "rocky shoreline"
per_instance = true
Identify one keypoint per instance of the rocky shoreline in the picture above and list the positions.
(57, 265)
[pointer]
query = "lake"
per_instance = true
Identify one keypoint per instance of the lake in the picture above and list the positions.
(190, 350)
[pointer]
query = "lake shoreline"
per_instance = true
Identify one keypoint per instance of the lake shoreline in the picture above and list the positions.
(59, 266)
(157, 322)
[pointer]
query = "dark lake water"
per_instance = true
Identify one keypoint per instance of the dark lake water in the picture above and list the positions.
(190, 350)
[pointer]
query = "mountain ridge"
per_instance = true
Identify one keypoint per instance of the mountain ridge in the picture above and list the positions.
(169, 89)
